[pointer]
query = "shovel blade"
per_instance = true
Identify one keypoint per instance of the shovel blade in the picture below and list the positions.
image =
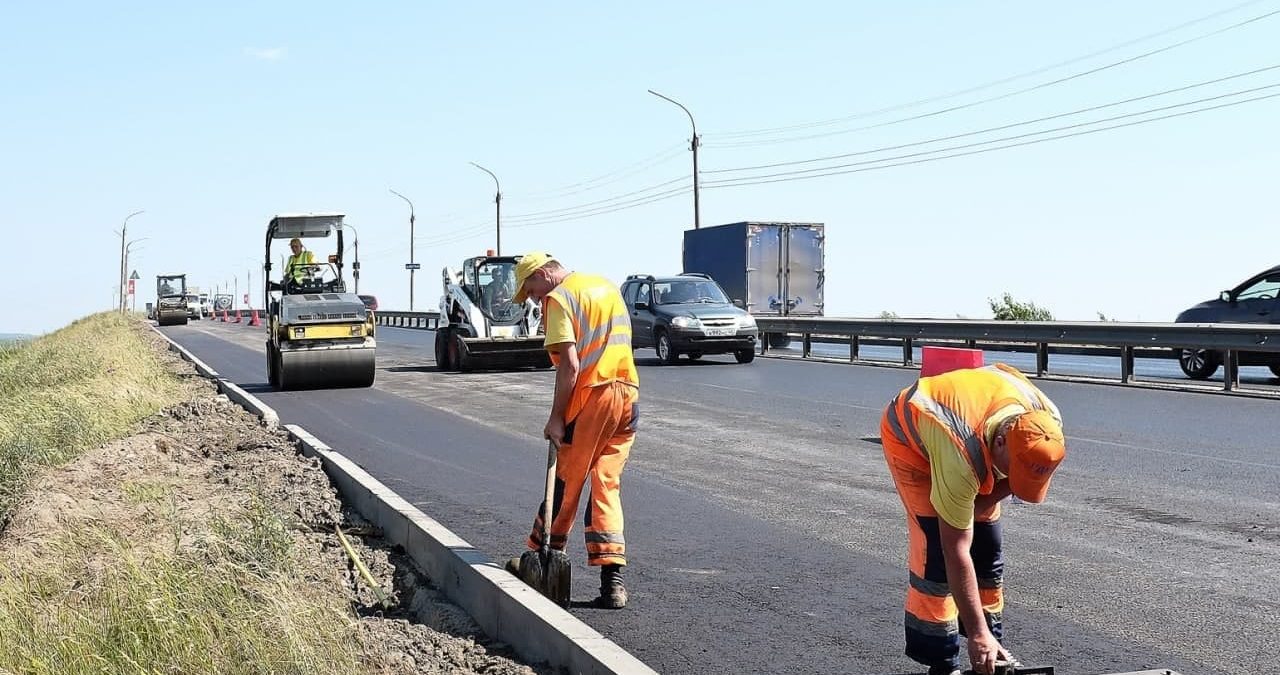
(531, 571)
(557, 574)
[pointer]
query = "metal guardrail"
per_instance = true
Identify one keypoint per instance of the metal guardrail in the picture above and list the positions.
(1103, 338)
(423, 320)
(1124, 338)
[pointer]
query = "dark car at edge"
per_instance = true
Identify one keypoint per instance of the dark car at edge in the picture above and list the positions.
(1253, 301)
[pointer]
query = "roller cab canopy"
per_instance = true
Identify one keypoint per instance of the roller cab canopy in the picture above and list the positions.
(287, 226)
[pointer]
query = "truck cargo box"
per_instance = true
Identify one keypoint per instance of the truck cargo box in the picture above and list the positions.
(770, 268)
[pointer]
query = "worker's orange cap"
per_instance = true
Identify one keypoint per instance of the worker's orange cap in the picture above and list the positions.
(1036, 448)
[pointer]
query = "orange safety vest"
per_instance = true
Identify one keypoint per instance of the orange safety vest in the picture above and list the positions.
(603, 331)
(963, 401)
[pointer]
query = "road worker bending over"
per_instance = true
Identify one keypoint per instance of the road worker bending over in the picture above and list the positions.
(957, 444)
(593, 413)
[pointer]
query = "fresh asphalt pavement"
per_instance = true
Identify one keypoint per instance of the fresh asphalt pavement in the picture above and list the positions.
(763, 531)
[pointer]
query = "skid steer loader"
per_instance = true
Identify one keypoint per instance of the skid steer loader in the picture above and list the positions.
(318, 334)
(480, 327)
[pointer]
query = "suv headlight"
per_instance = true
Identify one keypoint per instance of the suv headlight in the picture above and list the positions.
(746, 321)
(686, 322)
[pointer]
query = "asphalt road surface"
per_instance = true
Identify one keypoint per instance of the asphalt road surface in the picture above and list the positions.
(763, 532)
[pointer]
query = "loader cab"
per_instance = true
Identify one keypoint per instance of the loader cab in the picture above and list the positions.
(490, 283)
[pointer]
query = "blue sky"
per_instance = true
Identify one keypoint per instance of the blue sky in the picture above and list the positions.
(213, 118)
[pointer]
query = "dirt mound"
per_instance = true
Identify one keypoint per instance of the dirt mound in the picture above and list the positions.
(206, 457)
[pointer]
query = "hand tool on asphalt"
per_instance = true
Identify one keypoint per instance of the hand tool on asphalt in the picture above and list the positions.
(1006, 668)
(547, 570)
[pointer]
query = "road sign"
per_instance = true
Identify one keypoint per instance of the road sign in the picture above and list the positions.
(413, 266)
(134, 275)
(246, 298)
(130, 286)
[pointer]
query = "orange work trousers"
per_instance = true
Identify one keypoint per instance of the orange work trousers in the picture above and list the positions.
(932, 625)
(595, 448)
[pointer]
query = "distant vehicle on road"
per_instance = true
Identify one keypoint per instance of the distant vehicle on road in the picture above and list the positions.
(1253, 301)
(370, 301)
(687, 314)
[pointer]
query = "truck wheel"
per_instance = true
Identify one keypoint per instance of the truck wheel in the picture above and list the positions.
(745, 355)
(779, 340)
(666, 353)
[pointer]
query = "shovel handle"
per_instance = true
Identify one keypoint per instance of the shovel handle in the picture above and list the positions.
(550, 494)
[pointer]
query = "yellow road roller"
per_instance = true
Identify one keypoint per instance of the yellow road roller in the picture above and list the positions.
(318, 334)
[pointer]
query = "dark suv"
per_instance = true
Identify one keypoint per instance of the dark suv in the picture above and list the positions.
(687, 314)
(1253, 301)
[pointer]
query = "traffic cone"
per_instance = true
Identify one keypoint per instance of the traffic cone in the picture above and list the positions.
(237, 319)
(225, 318)
(254, 321)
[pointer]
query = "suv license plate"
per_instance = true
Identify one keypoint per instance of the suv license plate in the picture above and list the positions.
(719, 332)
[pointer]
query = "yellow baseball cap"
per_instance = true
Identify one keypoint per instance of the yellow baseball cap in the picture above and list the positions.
(528, 264)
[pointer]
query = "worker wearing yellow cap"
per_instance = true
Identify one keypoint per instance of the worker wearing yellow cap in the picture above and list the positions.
(593, 412)
(957, 444)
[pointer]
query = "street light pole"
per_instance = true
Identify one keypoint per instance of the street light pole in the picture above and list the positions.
(694, 145)
(128, 249)
(123, 229)
(411, 263)
(355, 268)
(497, 200)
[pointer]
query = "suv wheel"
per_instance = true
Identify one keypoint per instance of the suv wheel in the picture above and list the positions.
(745, 355)
(666, 353)
(1198, 364)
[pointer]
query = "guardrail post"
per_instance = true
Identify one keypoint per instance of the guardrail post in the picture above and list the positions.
(807, 343)
(1230, 370)
(1126, 364)
(853, 347)
(971, 344)
(764, 343)
(906, 351)
(1042, 358)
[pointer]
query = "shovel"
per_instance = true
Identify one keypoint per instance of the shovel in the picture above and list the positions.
(546, 570)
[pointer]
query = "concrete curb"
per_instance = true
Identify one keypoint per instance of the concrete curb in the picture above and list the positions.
(505, 608)
(233, 391)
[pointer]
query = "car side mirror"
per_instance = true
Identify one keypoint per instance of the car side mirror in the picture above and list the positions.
(641, 304)
(737, 302)
(1225, 296)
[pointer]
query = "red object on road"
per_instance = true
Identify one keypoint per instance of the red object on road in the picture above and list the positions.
(937, 360)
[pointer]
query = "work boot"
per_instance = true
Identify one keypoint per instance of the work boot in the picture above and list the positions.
(945, 669)
(613, 595)
(513, 566)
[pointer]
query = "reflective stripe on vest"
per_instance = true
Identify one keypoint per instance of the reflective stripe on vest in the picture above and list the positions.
(603, 331)
(959, 429)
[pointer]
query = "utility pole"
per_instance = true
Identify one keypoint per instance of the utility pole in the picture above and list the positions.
(124, 229)
(355, 267)
(694, 145)
(497, 200)
(413, 267)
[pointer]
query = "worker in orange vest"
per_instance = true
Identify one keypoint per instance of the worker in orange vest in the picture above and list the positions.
(957, 444)
(593, 413)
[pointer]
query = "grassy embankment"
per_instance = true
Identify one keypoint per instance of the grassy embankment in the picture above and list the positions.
(229, 600)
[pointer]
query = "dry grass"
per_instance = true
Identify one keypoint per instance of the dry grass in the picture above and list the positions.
(70, 390)
(224, 596)
(231, 604)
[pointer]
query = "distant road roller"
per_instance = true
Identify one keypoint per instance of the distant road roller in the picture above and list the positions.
(318, 334)
(171, 299)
